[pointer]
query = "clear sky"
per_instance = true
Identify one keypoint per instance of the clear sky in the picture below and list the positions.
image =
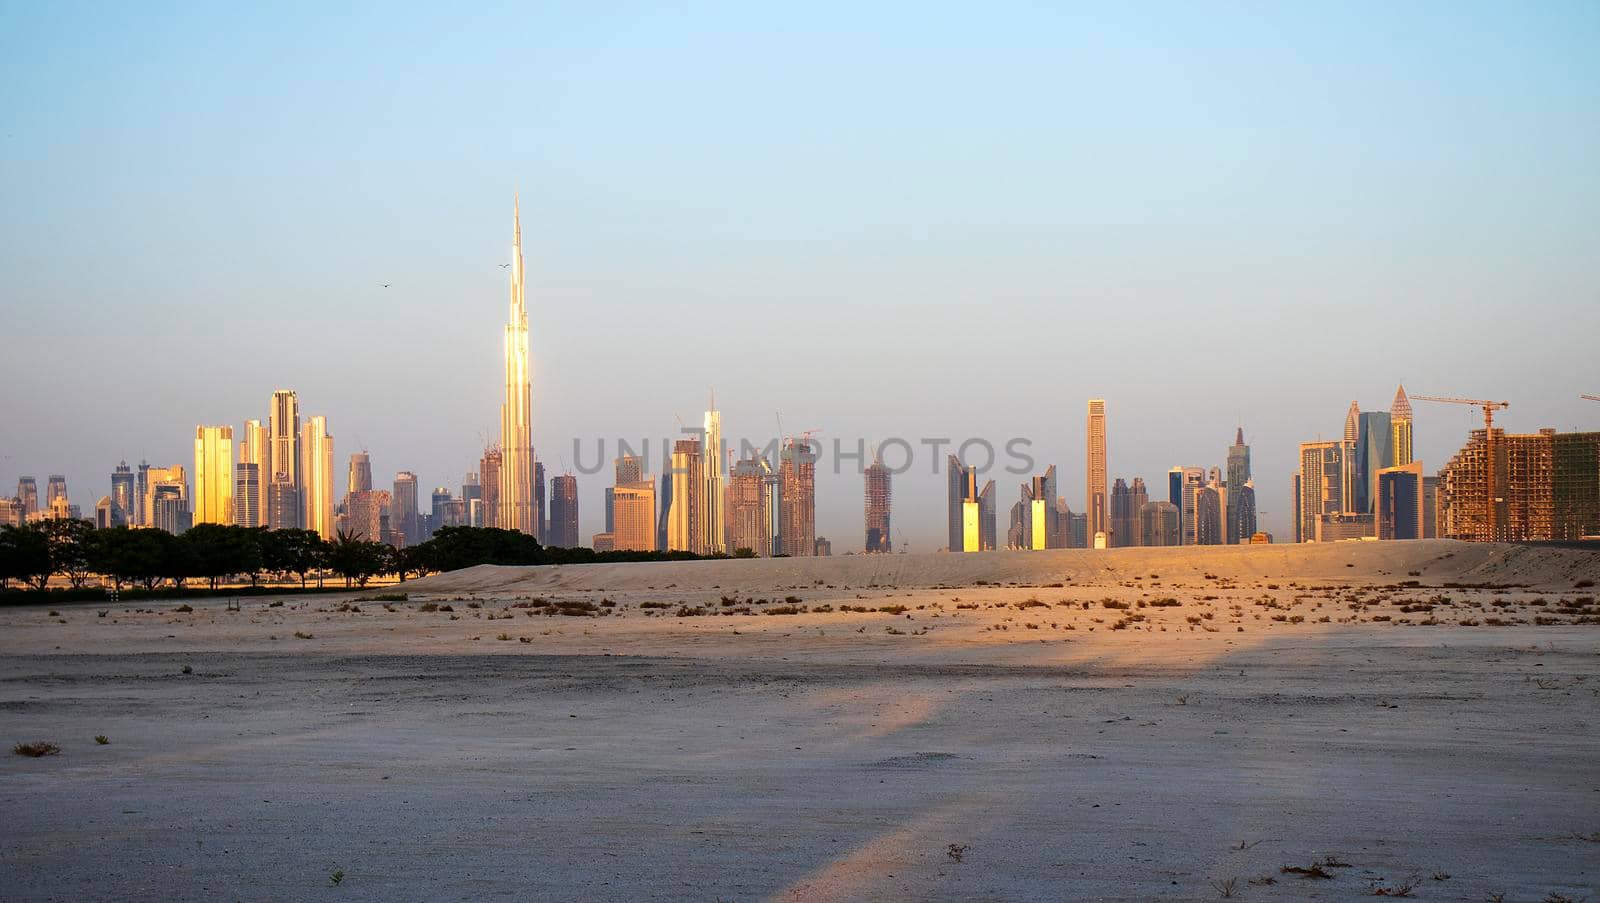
(916, 220)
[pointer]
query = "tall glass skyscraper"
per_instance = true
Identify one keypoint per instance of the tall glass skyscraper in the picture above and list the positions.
(518, 507)
(213, 475)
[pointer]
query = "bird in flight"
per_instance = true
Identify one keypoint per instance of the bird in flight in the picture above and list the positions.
(504, 265)
(385, 284)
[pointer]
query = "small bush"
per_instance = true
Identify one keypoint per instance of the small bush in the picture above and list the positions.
(101, 740)
(302, 635)
(36, 750)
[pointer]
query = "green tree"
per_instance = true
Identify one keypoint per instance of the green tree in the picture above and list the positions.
(25, 556)
(69, 548)
(219, 550)
(291, 551)
(355, 559)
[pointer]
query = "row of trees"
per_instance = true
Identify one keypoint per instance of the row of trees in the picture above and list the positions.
(76, 550)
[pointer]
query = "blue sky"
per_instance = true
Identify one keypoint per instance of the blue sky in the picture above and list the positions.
(905, 220)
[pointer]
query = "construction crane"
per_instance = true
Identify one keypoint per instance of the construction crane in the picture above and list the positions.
(1489, 407)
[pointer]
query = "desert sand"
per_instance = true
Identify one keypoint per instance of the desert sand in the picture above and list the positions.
(1158, 724)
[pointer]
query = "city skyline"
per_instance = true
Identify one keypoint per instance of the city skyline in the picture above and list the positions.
(863, 273)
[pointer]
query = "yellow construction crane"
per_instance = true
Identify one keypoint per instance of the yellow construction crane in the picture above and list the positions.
(1489, 407)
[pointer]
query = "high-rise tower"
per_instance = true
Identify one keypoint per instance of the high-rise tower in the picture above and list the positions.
(877, 503)
(518, 507)
(1400, 427)
(283, 452)
(710, 487)
(1099, 521)
(1241, 514)
(213, 475)
(316, 477)
(123, 506)
(255, 449)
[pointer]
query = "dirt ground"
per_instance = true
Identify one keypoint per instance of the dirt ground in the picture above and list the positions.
(1124, 725)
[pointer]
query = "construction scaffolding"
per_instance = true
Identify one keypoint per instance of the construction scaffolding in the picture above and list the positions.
(1523, 478)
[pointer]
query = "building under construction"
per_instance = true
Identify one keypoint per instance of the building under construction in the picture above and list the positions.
(877, 499)
(797, 477)
(1547, 487)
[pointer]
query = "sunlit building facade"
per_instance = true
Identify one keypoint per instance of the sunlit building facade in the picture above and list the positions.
(316, 477)
(634, 512)
(972, 524)
(518, 506)
(1400, 428)
(213, 475)
(684, 498)
(710, 488)
(254, 447)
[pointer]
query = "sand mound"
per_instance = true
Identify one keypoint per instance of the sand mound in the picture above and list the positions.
(1435, 561)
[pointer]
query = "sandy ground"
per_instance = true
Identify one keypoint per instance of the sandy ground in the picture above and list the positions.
(1403, 713)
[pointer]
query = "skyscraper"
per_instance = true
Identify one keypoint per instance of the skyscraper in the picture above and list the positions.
(684, 531)
(1210, 514)
(635, 514)
(123, 506)
(540, 512)
(247, 494)
(1399, 502)
(316, 477)
(972, 513)
(1400, 427)
(876, 505)
(518, 507)
(166, 501)
(403, 518)
(1374, 451)
(105, 513)
(1241, 505)
(360, 472)
(28, 494)
(750, 502)
(564, 512)
(489, 482)
(56, 490)
(283, 449)
(254, 448)
(472, 497)
(1350, 476)
(1099, 521)
(1321, 485)
(797, 477)
(1158, 524)
(1126, 502)
(213, 475)
(711, 489)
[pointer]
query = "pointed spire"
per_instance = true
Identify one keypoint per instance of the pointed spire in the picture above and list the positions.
(1352, 428)
(1238, 438)
(1401, 408)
